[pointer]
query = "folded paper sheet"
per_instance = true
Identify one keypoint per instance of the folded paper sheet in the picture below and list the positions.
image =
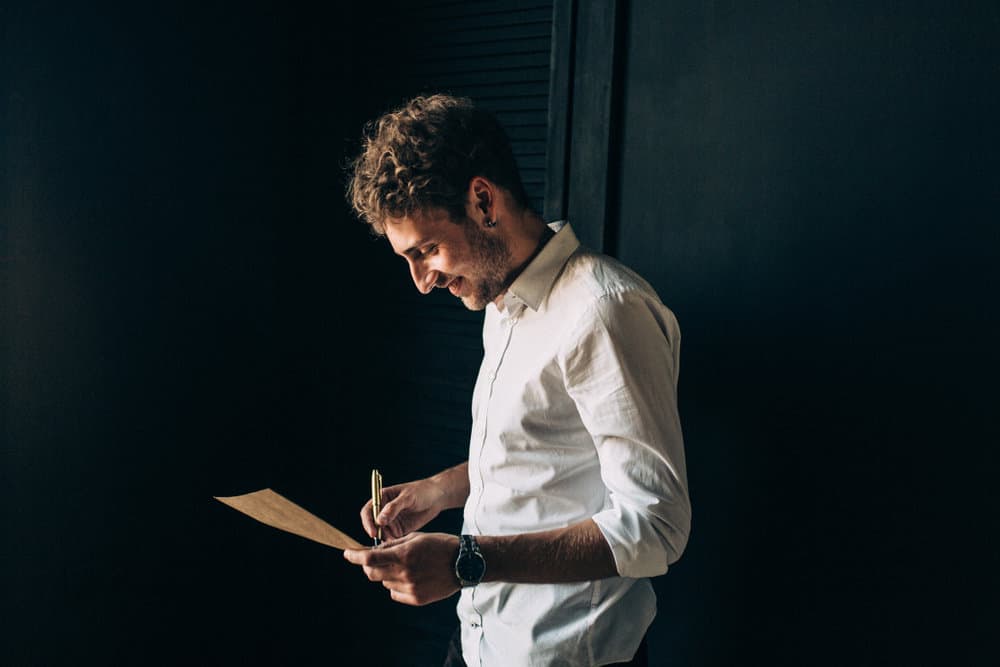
(275, 510)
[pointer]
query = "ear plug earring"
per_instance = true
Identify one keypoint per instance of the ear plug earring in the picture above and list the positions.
(490, 223)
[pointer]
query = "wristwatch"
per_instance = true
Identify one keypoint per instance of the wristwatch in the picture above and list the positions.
(470, 566)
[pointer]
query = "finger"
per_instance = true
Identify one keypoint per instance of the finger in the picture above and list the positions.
(390, 492)
(383, 574)
(376, 557)
(397, 504)
(399, 526)
(389, 495)
(381, 556)
(388, 549)
(367, 521)
(393, 530)
(405, 598)
(398, 586)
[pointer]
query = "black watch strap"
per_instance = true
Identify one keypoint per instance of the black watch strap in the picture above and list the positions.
(470, 566)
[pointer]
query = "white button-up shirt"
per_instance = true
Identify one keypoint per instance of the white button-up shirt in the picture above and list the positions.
(575, 417)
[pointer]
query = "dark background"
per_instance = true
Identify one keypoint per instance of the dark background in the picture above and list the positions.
(189, 310)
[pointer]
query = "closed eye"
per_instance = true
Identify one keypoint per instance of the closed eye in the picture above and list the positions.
(417, 253)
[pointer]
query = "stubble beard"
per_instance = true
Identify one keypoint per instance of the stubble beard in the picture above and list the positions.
(493, 257)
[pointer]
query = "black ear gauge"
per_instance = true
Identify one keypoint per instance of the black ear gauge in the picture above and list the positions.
(490, 223)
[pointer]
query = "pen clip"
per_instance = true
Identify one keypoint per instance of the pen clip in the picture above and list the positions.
(377, 503)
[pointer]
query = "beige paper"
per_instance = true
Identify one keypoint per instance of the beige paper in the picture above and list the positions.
(275, 510)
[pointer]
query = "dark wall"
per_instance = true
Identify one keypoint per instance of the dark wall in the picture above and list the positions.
(189, 311)
(185, 314)
(813, 188)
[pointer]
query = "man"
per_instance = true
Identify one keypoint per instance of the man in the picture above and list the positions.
(575, 489)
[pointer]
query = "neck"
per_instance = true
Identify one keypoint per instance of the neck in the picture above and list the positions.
(528, 237)
(525, 236)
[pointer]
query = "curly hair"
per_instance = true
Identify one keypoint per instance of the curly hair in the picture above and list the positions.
(423, 155)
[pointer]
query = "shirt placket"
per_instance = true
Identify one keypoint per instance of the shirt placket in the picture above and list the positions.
(507, 321)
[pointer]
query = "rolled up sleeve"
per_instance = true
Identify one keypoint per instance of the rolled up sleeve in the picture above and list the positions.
(620, 367)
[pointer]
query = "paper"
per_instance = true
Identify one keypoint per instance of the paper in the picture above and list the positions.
(275, 510)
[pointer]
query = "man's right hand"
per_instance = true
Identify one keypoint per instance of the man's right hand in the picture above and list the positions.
(405, 508)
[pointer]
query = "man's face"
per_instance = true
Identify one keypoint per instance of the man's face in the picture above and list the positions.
(472, 263)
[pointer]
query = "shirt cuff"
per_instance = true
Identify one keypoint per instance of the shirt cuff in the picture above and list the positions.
(642, 545)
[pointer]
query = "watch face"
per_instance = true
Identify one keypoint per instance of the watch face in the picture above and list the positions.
(470, 567)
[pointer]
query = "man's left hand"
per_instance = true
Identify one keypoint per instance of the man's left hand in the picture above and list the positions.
(417, 569)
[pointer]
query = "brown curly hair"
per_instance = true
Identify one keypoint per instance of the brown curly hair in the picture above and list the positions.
(423, 155)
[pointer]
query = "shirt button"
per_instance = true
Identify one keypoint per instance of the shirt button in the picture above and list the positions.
(475, 625)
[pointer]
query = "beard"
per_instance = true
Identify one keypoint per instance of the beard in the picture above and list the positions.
(493, 257)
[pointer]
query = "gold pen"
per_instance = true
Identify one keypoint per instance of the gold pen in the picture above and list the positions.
(377, 503)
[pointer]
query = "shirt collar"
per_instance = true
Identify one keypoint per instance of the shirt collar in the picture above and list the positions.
(533, 285)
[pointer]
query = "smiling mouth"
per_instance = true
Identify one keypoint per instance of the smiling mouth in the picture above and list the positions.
(455, 286)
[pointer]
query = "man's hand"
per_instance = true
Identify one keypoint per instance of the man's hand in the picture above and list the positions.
(405, 508)
(417, 569)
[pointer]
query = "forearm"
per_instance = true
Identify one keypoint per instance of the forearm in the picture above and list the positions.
(452, 486)
(419, 568)
(575, 553)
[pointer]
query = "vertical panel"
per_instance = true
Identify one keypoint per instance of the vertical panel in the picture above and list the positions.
(560, 110)
(594, 87)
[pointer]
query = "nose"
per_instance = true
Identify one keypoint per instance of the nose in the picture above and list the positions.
(422, 278)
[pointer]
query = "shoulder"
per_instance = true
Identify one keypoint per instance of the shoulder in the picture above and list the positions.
(590, 279)
(595, 290)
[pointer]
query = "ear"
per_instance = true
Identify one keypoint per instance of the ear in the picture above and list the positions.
(482, 196)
